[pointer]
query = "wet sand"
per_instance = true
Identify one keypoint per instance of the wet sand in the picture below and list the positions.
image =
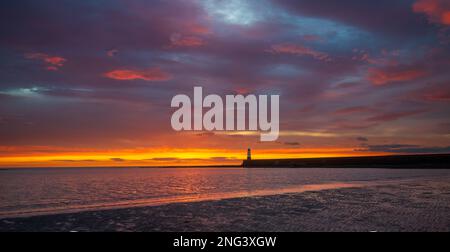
(411, 205)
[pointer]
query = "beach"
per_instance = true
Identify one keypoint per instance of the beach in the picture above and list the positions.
(419, 204)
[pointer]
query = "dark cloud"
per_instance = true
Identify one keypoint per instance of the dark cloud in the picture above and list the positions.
(387, 17)
(437, 11)
(164, 159)
(392, 116)
(174, 159)
(222, 159)
(205, 134)
(292, 143)
(405, 148)
(392, 75)
(74, 161)
(131, 24)
(351, 110)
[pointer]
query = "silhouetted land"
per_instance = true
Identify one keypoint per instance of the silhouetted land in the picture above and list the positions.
(432, 161)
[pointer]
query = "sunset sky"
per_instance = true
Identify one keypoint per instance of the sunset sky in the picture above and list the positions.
(89, 83)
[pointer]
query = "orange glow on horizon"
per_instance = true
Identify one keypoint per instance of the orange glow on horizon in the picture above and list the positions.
(165, 157)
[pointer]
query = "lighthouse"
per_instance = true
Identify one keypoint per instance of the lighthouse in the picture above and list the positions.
(249, 154)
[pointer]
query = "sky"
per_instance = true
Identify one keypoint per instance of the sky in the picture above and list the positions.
(89, 83)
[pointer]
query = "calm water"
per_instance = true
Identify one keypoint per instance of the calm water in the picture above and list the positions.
(38, 191)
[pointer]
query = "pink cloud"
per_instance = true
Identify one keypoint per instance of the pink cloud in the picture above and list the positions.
(438, 96)
(112, 52)
(393, 116)
(352, 110)
(380, 76)
(288, 48)
(312, 38)
(179, 40)
(153, 74)
(433, 92)
(53, 62)
(387, 58)
(195, 28)
(438, 11)
(52, 68)
(242, 90)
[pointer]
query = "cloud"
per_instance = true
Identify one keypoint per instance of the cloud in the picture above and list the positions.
(352, 110)
(153, 74)
(370, 16)
(443, 96)
(288, 48)
(180, 160)
(112, 52)
(196, 28)
(437, 11)
(235, 12)
(292, 143)
(312, 38)
(222, 158)
(53, 63)
(405, 148)
(165, 159)
(205, 134)
(179, 40)
(224, 57)
(117, 159)
(379, 76)
(362, 139)
(282, 133)
(73, 160)
(393, 116)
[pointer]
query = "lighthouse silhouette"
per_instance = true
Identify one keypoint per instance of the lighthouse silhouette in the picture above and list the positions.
(249, 154)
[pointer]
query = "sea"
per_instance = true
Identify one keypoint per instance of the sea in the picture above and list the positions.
(38, 191)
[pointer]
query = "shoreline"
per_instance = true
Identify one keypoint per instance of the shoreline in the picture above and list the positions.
(412, 205)
(181, 199)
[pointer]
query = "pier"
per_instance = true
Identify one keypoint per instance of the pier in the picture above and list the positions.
(429, 161)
